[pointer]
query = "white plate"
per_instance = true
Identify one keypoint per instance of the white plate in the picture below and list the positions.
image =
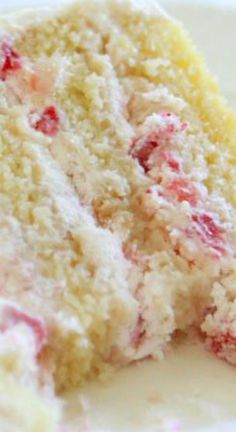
(191, 390)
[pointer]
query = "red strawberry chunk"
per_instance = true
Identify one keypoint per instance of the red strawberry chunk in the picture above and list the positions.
(172, 161)
(48, 121)
(183, 190)
(142, 148)
(221, 341)
(209, 232)
(13, 316)
(10, 61)
(208, 225)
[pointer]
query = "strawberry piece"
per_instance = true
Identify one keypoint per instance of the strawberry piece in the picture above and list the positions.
(142, 148)
(209, 232)
(139, 332)
(208, 225)
(12, 316)
(10, 61)
(221, 341)
(48, 121)
(172, 162)
(183, 190)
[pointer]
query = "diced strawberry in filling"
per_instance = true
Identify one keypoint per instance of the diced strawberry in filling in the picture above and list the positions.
(183, 190)
(139, 332)
(155, 150)
(13, 316)
(48, 121)
(10, 61)
(209, 232)
(142, 148)
(172, 161)
(219, 342)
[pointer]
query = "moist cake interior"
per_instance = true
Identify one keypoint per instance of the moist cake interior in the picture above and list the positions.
(117, 198)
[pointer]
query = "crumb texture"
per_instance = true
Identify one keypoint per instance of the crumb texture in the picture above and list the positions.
(117, 197)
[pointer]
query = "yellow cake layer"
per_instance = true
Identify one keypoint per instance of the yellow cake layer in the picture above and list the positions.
(142, 42)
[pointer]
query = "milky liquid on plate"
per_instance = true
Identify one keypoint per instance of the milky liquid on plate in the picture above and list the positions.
(189, 391)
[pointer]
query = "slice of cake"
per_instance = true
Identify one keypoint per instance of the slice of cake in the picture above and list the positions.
(117, 193)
